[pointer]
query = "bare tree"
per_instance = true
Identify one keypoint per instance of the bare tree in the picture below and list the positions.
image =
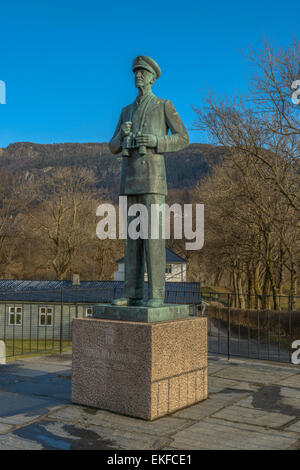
(250, 231)
(263, 125)
(11, 204)
(64, 216)
(260, 131)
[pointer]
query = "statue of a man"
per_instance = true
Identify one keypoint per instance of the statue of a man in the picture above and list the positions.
(142, 134)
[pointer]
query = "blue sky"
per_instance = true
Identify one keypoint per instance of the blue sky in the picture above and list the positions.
(67, 64)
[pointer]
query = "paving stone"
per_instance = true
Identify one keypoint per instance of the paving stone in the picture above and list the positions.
(59, 389)
(72, 413)
(231, 395)
(217, 384)
(293, 381)
(88, 417)
(66, 374)
(201, 410)
(215, 358)
(269, 395)
(35, 369)
(6, 380)
(5, 428)
(127, 440)
(267, 364)
(55, 358)
(18, 409)
(239, 414)
(274, 398)
(215, 434)
(256, 374)
(54, 435)
(214, 368)
(294, 427)
(65, 357)
(19, 371)
(290, 392)
(10, 442)
(244, 399)
(292, 404)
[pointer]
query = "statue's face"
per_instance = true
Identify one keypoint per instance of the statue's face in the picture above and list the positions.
(143, 77)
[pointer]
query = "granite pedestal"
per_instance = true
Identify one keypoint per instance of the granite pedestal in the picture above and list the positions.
(140, 369)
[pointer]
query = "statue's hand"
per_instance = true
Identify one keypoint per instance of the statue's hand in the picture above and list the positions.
(148, 140)
(126, 128)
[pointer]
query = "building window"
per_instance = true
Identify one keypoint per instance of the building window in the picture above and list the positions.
(46, 316)
(88, 311)
(168, 269)
(15, 315)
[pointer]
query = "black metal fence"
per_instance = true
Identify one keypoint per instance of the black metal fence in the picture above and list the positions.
(41, 321)
(256, 333)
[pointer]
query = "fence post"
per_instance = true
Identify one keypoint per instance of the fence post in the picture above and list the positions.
(228, 329)
(61, 322)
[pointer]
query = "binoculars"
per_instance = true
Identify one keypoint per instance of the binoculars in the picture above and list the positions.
(129, 143)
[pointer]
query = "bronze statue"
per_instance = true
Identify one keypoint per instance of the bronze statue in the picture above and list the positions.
(142, 135)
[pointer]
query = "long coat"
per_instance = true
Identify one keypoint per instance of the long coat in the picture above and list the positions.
(147, 174)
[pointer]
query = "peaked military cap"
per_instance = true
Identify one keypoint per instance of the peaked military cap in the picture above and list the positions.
(147, 63)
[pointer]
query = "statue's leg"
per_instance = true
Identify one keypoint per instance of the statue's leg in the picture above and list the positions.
(155, 253)
(134, 262)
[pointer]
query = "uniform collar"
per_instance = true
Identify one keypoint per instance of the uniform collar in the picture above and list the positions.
(140, 100)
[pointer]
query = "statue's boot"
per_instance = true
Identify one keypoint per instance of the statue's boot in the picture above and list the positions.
(123, 301)
(154, 302)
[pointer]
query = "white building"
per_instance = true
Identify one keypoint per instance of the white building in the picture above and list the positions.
(175, 268)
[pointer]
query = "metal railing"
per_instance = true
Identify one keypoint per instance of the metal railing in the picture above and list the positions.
(256, 333)
(40, 321)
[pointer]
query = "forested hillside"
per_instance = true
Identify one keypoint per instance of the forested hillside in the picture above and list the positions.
(48, 200)
(184, 168)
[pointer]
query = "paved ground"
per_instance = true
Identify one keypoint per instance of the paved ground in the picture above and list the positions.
(251, 405)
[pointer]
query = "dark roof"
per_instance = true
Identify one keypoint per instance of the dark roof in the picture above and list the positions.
(171, 257)
(88, 291)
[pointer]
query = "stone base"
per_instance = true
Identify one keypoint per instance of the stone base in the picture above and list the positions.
(145, 370)
(2, 353)
(144, 314)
